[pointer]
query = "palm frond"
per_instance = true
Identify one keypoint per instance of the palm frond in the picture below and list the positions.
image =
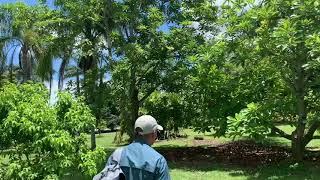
(45, 67)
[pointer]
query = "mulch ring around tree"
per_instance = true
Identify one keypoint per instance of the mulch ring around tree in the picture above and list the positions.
(244, 153)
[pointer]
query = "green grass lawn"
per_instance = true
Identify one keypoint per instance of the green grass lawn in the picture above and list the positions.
(313, 144)
(188, 171)
(207, 171)
(225, 172)
(106, 140)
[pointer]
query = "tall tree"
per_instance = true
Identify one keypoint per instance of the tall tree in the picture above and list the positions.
(29, 37)
(284, 34)
(87, 33)
(149, 57)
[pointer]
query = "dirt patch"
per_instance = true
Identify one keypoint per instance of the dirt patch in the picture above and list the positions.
(244, 153)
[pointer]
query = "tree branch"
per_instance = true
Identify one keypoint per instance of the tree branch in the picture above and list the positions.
(316, 137)
(309, 136)
(149, 92)
(149, 69)
(281, 133)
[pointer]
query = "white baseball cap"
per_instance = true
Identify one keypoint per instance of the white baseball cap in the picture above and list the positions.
(148, 124)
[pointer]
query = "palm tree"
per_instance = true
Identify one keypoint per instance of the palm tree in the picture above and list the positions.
(28, 37)
(28, 47)
(88, 30)
(64, 64)
(74, 72)
(2, 60)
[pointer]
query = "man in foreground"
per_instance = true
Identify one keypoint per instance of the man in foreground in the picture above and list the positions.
(138, 160)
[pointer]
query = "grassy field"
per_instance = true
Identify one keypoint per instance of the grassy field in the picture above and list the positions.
(207, 171)
(106, 140)
(225, 172)
(314, 144)
(203, 171)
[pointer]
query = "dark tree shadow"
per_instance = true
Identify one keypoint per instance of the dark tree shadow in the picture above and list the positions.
(262, 160)
(245, 158)
(281, 171)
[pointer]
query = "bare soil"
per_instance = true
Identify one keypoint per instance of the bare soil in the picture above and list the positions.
(244, 153)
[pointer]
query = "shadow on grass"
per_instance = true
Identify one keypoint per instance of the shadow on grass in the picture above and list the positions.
(288, 170)
(240, 160)
(275, 141)
(281, 171)
(211, 163)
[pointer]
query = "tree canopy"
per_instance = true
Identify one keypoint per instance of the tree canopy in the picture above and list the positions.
(44, 141)
(234, 68)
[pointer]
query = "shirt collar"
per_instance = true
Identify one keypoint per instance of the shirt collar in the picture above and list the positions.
(140, 140)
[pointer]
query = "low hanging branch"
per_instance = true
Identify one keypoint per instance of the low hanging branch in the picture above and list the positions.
(152, 89)
(309, 136)
(281, 133)
(149, 92)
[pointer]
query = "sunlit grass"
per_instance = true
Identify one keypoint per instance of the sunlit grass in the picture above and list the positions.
(283, 171)
(180, 171)
(107, 140)
(187, 171)
(315, 143)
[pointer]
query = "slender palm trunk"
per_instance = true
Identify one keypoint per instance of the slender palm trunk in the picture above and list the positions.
(89, 80)
(100, 96)
(93, 138)
(11, 71)
(26, 64)
(78, 81)
(61, 72)
(50, 85)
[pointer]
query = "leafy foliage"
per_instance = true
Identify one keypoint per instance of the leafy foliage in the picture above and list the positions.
(280, 33)
(30, 35)
(248, 123)
(44, 141)
(234, 68)
(168, 109)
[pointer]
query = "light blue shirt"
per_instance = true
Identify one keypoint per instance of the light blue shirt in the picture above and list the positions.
(139, 161)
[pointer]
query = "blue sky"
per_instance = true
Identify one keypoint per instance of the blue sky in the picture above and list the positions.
(29, 2)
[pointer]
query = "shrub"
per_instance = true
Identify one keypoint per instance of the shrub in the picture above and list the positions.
(44, 141)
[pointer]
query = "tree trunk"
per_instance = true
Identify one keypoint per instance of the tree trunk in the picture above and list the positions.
(61, 72)
(298, 144)
(99, 98)
(26, 64)
(133, 104)
(134, 112)
(50, 85)
(78, 82)
(88, 92)
(90, 99)
(298, 148)
(93, 138)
